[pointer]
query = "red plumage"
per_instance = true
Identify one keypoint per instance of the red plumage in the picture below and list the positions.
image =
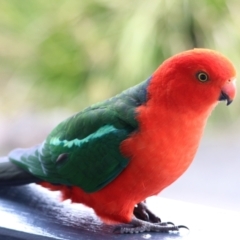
(171, 124)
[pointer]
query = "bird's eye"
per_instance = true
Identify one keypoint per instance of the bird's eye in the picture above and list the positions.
(202, 76)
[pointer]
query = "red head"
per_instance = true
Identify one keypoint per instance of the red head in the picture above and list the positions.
(197, 79)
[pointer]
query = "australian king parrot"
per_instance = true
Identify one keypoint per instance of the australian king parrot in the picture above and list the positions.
(114, 154)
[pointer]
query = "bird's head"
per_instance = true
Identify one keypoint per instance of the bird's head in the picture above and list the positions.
(195, 79)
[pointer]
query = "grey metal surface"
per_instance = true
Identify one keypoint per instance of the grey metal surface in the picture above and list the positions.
(32, 212)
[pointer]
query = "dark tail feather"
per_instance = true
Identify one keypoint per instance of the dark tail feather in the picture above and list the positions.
(12, 175)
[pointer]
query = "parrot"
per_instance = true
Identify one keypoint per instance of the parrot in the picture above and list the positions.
(114, 154)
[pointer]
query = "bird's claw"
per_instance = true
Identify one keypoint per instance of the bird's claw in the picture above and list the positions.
(182, 226)
(146, 221)
(139, 226)
(166, 223)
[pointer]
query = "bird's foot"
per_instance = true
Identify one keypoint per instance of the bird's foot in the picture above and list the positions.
(139, 226)
(143, 213)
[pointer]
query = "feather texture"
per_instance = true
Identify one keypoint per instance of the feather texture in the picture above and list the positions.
(84, 150)
(116, 153)
(11, 175)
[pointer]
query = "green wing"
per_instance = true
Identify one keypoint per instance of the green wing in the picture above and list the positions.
(84, 149)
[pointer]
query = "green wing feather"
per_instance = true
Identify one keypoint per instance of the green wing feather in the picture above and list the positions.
(84, 149)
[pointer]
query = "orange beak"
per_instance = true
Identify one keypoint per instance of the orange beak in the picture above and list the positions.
(228, 91)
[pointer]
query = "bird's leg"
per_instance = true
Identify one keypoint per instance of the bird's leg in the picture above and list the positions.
(138, 226)
(141, 212)
(146, 221)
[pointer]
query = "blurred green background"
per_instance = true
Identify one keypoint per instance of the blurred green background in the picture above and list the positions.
(57, 57)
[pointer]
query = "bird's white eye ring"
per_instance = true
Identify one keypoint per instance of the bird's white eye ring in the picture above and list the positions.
(202, 76)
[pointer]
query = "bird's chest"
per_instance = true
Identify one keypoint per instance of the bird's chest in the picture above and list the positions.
(160, 154)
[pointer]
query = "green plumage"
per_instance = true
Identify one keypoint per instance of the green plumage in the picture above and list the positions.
(84, 149)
